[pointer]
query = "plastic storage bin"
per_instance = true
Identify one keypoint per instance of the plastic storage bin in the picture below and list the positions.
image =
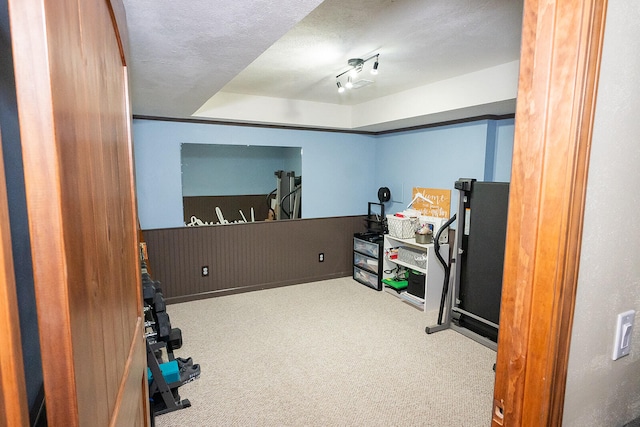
(415, 284)
(367, 248)
(365, 262)
(365, 277)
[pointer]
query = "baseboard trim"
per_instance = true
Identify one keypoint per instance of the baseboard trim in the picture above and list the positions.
(241, 290)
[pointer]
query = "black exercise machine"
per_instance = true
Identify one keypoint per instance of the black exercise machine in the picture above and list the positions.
(471, 305)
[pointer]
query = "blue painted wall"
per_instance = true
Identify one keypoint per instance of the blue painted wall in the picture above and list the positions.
(504, 150)
(337, 169)
(434, 158)
(341, 172)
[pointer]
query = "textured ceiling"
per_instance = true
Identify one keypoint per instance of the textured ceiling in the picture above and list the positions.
(185, 52)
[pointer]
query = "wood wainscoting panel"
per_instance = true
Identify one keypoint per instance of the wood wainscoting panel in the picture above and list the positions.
(243, 257)
(75, 131)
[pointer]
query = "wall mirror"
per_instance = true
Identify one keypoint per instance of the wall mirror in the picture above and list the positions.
(240, 183)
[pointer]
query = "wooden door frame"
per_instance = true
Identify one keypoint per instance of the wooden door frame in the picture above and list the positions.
(559, 70)
(559, 67)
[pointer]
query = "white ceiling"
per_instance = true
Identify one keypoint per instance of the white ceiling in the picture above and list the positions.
(230, 53)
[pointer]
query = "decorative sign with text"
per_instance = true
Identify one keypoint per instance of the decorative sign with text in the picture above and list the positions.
(440, 205)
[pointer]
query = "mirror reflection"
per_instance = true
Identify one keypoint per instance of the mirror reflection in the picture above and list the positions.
(224, 184)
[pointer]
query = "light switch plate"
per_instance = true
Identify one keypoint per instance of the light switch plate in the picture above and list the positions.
(624, 330)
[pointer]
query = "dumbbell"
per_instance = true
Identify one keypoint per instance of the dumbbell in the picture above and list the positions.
(148, 292)
(158, 302)
(175, 338)
(163, 325)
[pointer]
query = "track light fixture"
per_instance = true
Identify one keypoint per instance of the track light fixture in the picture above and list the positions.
(356, 65)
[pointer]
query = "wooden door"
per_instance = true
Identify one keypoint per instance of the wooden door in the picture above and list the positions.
(71, 85)
(13, 396)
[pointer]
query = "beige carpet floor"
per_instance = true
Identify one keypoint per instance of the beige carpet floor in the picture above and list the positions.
(330, 353)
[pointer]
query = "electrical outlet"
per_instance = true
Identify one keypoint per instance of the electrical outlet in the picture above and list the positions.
(321, 257)
(205, 270)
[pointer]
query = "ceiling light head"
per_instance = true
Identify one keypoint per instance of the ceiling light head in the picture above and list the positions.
(340, 87)
(349, 84)
(374, 70)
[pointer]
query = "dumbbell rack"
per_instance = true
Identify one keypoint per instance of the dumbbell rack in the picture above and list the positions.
(160, 336)
(170, 402)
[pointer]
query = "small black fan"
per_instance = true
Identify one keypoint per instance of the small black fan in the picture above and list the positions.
(384, 194)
